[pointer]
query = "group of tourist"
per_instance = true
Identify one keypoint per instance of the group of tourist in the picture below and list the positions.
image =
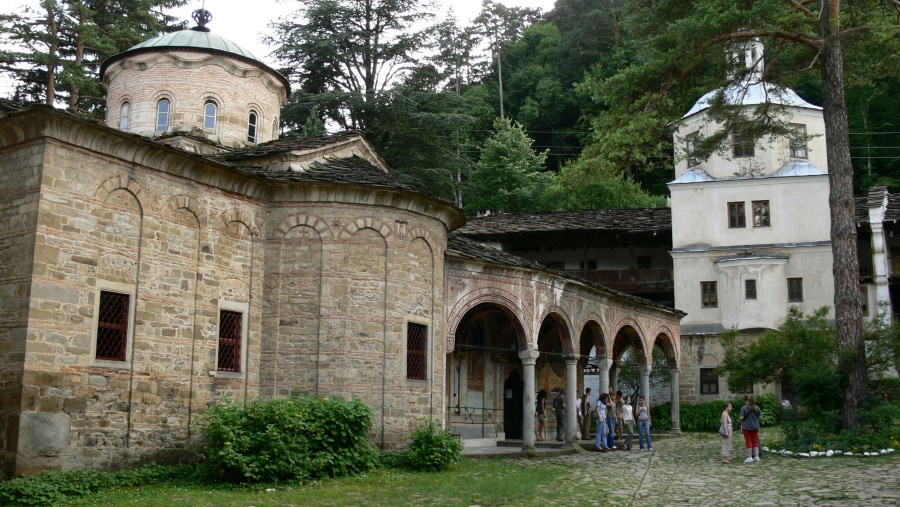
(615, 416)
(749, 419)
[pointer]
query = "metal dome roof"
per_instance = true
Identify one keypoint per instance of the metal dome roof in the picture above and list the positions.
(753, 94)
(194, 39)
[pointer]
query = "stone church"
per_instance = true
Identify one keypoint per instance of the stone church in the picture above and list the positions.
(181, 254)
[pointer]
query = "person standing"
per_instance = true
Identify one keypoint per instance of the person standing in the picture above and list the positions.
(643, 420)
(726, 432)
(620, 405)
(750, 416)
(611, 422)
(628, 422)
(540, 410)
(600, 438)
(559, 407)
(585, 423)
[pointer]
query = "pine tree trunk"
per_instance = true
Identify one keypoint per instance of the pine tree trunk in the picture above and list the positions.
(847, 312)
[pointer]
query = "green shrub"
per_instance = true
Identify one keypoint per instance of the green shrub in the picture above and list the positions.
(53, 488)
(293, 439)
(707, 416)
(432, 449)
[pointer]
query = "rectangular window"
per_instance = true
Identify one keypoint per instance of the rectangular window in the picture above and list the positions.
(795, 290)
(230, 330)
(750, 289)
(761, 213)
(112, 326)
(691, 148)
(416, 347)
(709, 381)
(798, 141)
(742, 145)
(736, 218)
(864, 300)
(709, 297)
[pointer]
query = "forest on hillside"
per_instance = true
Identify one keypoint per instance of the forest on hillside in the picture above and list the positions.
(519, 110)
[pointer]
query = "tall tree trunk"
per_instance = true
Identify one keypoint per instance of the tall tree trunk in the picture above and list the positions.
(847, 312)
(53, 53)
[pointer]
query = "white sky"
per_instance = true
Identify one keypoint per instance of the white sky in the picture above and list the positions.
(245, 26)
(244, 21)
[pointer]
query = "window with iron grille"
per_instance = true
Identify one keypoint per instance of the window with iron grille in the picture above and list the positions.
(230, 326)
(112, 326)
(709, 297)
(795, 290)
(736, 218)
(416, 345)
(709, 381)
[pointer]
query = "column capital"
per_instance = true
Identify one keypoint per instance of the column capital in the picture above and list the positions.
(529, 356)
(571, 358)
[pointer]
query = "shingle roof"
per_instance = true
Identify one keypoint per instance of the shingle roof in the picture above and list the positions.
(465, 248)
(353, 170)
(348, 170)
(619, 219)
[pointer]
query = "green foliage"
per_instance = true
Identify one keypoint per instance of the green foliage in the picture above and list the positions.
(292, 439)
(509, 175)
(432, 449)
(53, 488)
(707, 416)
(806, 431)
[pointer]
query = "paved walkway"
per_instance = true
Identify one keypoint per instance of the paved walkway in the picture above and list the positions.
(686, 471)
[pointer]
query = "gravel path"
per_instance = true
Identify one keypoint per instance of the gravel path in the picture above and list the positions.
(687, 471)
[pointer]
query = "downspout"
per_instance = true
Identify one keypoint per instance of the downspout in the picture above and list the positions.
(137, 288)
(384, 342)
(197, 279)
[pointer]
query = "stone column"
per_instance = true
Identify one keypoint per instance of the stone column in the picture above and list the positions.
(645, 381)
(676, 402)
(604, 365)
(572, 428)
(614, 375)
(528, 357)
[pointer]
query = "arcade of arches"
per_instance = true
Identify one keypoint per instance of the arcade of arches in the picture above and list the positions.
(514, 331)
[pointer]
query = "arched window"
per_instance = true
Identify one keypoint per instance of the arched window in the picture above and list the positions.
(162, 115)
(209, 116)
(251, 127)
(123, 116)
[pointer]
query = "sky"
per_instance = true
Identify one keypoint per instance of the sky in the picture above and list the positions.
(245, 21)
(245, 27)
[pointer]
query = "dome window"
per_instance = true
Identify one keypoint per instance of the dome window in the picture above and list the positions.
(123, 116)
(209, 115)
(251, 126)
(162, 115)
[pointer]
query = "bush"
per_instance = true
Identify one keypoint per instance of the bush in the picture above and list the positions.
(707, 416)
(53, 488)
(294, 439)
(432, 449)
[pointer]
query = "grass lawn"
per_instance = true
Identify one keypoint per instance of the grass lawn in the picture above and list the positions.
(471, 482)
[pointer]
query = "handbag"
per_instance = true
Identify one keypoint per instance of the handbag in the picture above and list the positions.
(722, 430)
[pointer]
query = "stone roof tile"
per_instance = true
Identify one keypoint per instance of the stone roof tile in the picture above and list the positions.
(618, 219)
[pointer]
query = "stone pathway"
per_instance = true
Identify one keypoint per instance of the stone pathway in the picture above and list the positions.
(687, 471)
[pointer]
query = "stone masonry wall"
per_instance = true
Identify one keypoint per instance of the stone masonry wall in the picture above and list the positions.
(342, 283)
(20, 180)
(179, 250)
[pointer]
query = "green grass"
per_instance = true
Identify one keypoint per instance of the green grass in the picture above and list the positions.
(471, 482)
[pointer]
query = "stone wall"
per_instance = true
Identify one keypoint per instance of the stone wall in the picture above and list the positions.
(20, 180)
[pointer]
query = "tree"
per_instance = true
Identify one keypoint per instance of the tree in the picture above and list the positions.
(55, 49)
(509, 175)
(669, 57)
(346, 52)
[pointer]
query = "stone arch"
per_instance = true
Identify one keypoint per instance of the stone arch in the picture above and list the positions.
(637, 336)
(590, 338)
(562, 323)
(120, 182)
(499, 297)
(665, 338)
(554, 343)
(188, 203)
(302, 219)
(376, 224)
(235, 215)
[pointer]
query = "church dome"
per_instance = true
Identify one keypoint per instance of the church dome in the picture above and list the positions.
(742, 94)
(197, 83)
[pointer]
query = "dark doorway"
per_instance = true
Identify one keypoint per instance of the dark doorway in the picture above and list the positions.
(513, 392)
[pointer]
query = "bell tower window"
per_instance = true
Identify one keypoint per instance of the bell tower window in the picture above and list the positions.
(162, 115)
(209, 116)
(123, 116)
(251, 126)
